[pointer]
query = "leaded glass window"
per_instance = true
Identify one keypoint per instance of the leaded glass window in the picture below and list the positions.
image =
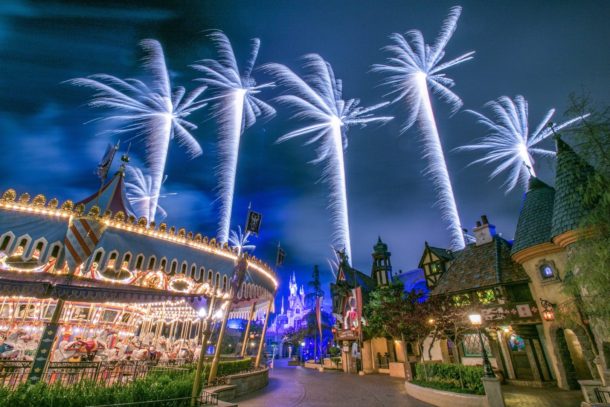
(471, 345)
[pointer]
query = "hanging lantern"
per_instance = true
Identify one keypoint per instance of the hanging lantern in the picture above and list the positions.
(548, 310)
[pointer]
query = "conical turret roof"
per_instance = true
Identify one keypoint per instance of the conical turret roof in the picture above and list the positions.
(536, 216)
(572, 174)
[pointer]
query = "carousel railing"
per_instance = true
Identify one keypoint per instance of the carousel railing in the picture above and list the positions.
(13, 372)
(68, 373)
(206, 399)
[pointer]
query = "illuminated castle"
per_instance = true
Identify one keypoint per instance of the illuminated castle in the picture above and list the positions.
(294, 317)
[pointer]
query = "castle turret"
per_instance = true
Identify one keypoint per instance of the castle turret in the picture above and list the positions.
(382, 266)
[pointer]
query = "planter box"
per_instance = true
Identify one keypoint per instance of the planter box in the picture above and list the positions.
(443, 398)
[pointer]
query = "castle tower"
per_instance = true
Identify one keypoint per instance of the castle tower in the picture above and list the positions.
(293, 285)
(382, 266)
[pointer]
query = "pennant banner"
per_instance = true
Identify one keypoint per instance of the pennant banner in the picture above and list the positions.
(253, 224)
(281, 256)
(104, 165)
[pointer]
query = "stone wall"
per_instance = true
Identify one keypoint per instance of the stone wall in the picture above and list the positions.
(249, 382)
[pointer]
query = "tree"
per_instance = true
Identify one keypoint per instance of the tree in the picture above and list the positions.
(447, 319)
(390, 312)
(316, 288)
(589, 257)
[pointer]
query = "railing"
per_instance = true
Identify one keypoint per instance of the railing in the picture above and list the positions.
(602, 395)
(13, 372)
(71, 372)
(383, 361)
(210, 399)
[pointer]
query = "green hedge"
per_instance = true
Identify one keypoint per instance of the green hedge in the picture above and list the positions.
(451, 377)
(157, 385)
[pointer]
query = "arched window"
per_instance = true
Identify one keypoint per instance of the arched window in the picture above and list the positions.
(224, 283)
(163, 264)
(126, 259)
(174, 266)
(55, 250)
(5, 242)
(217, 282)
(139, 261)
(183, 269)
(151, 262)
(547, 271)
(201, 274)
(193, 271)
(112, 260)
(38, 250)
(210, 276)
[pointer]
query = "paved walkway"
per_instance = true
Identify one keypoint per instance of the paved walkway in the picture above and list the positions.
(519, 396)
(292, 386)
(295, 386)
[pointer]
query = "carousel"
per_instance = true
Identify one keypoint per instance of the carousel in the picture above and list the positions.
(86, 285)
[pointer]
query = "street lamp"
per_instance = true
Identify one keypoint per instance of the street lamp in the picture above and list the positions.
(476, 320)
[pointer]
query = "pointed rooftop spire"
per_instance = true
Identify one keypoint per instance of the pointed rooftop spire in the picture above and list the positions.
(571, 176)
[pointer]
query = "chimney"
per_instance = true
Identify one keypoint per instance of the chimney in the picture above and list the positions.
(484, 231)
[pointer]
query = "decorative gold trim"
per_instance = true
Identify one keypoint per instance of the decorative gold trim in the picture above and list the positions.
(535, 251)
(7, 202)
(569, 237)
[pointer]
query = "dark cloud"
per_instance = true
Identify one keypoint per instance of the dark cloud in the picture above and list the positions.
(543, 50)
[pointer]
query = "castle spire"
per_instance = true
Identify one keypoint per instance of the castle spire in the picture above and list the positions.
(282, 313)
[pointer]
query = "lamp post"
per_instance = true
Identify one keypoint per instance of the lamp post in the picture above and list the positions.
(476, 320)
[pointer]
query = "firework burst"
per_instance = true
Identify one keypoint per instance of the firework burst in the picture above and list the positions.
(509, 144)
(237, 109)
(150, 111)
(317, 98)
(413, 69)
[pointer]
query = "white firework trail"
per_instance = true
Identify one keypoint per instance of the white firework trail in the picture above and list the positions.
(413, 69)
(151, 112)
(236, 110)
(139, 192)
(509, 144)
(317, 98)
(241, 241)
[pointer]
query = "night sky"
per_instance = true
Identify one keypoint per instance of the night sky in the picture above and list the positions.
(544, 50)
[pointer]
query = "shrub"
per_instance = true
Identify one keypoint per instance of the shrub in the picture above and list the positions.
(156, 385)
(452, 377)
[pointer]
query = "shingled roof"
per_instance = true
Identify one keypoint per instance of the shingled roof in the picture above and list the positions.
(536, 216)
(441, 253)
(479, 267)
(572, 173)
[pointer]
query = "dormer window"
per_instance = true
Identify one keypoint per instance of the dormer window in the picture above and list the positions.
(547, 271)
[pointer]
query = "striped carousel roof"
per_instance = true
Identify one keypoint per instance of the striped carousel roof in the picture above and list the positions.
(33, 232)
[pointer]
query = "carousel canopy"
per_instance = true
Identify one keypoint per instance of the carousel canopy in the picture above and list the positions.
(114, 255)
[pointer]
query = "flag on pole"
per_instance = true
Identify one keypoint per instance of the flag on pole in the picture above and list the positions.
(281, 256)
(319, 315)
(253, 224)
(104, 165)
(81, 238)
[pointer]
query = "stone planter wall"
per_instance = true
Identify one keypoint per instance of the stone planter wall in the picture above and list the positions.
(249, 382)
(442, 398)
